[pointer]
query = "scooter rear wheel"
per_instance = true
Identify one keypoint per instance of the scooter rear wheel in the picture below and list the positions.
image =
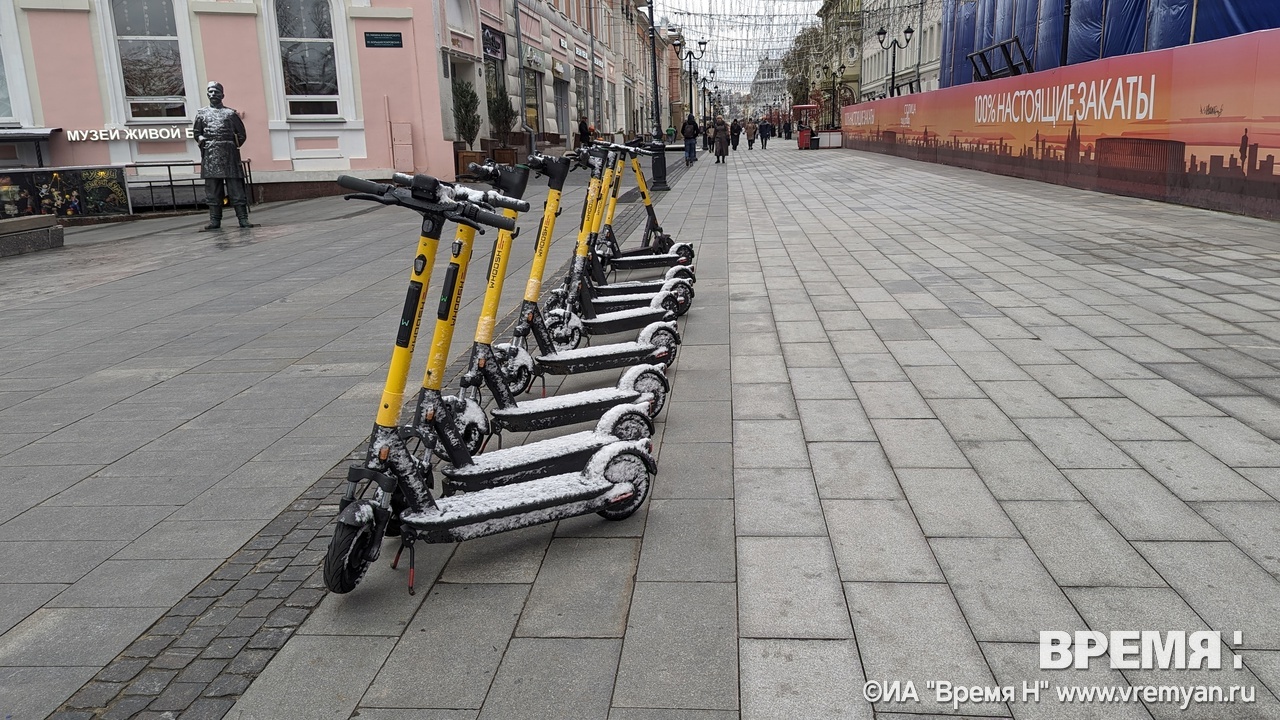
(626, 467)
(347, 559)
(650, 382)
(667, 339)
(562, 336)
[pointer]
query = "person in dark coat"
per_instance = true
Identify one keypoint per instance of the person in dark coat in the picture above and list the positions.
(584, 132)
(766, 132)
(735, 130)
(689, 131)
(219, 134)
(786, 130)
(722, 139)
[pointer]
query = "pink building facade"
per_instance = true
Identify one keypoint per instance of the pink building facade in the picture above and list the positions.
(324, 86)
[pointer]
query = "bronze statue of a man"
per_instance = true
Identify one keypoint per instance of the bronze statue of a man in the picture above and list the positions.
(220, 133)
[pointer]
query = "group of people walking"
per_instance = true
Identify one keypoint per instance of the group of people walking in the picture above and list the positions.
(721, 136)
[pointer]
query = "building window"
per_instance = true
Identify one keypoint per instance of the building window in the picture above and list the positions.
(495, 77)
(307, 57)
(150, 62)
(6, 105)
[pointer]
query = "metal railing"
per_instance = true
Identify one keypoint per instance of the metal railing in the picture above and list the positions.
(156, 193)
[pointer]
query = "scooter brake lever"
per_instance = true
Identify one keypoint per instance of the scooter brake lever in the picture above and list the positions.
(385, 200)
(459, 219)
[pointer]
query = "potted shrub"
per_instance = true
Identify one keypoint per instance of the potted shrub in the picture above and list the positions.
(502, 119)
(467, 122)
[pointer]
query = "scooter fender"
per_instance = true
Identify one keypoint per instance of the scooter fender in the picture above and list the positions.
(357, 514)
(642, 448)
(605, 425)
(646, 335)
(687, 272)
(628, 379)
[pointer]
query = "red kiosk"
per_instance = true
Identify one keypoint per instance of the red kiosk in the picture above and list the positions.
(804, 116)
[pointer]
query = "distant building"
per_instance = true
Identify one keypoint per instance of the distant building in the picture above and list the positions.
(917, 65)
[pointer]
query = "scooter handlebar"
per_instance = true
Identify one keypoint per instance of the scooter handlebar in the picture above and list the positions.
(489, 197)
(623, 148)
(361, 185)
(484, 217)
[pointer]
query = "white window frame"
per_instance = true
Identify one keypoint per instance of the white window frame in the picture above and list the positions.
(118, 106)
(342, 61)
(15, 71)
(115, 81)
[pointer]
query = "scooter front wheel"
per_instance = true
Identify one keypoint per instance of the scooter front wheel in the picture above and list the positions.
(563, 337)
(667, 339)
(651, 382)
(626, 467)
(348, 557)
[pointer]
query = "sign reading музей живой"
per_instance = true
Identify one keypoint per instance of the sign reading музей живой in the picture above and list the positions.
(1198, 125)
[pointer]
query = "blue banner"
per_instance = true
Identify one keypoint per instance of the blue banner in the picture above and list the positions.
(946, 70)
(1224, 18)
(1169, 25)
(966, 30)
(1084, 43)
(1025, 21)
(1125, 28)
(1049, 35)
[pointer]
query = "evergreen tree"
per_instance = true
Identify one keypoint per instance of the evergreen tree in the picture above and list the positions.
(465, 117)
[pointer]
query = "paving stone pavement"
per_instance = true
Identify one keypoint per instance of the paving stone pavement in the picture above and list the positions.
(921, 414)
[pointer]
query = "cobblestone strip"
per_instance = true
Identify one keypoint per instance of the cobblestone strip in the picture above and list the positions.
(197, 659)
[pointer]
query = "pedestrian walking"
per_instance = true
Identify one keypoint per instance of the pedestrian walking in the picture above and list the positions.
(786, 130)
(766, 132)
(708, 134)
(722, 133)
(753, 131)
(735, 131)
(689, 131)
(584, 132)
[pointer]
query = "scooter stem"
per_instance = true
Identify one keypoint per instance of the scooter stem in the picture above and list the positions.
(410, 320)
(557, 172)
(447, 311)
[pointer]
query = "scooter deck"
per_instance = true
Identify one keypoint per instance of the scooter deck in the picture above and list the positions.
(541, 459)
(647, 261)
(499, 509)
(623, 320)
(630, 287)
(613, 303)
(601, 357)
(542, 413)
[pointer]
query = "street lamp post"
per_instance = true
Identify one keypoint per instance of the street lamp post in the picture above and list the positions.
(881, 34)
(835, 91)
(658, 146)
(690, 55)
(703, 83)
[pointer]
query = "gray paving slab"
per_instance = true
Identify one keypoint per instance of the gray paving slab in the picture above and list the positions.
(777, 501)
(789, 587)
(1018, 665)
(582, 590)
(954, 502)
(320, 676)
(554, 677)
(1017, 470)
(1190, 472)
(802, 678)
(916, 632)
(769, 444)
(73, 637)
(918, 444)
(689, 540)
(879, 541)
(1004, 590)
(1078, 546)
(681, 648)
(1139, 507)
(484, 614)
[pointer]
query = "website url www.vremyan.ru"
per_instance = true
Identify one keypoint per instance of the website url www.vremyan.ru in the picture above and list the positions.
(1184, 695)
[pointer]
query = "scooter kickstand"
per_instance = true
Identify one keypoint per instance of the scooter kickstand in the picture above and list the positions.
(396, 560)
(411, 591)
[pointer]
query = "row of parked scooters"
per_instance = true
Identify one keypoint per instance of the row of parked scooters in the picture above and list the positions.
(393, 492)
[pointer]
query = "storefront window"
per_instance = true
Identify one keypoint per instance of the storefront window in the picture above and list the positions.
(582, 87)
(495, 78)
(533, 99)
(307, 56)
(150, 62)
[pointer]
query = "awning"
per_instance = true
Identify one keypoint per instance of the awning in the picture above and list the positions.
(804, 107)
(31, 135)
(26, 134)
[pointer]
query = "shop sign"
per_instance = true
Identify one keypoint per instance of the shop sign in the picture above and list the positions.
(132, 133)
(581, 53)
(383, 40)
(599, 62)
(534, 58)
(557, 67)
(564, 44)
(494, 42)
